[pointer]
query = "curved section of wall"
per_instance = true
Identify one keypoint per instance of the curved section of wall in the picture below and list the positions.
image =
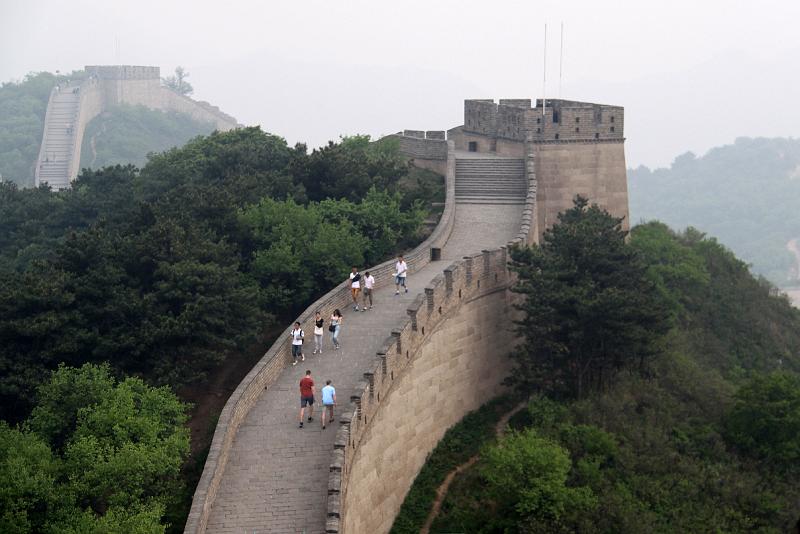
(278, 357)
(444, 361)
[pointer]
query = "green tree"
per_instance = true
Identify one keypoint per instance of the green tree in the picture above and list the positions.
(299, 254)
(178, 83)
(28, 474)
(589, 308)
(526, 477)
(97, 455)
(765, 420)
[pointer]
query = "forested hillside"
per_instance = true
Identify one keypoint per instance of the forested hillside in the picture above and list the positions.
(662, 383)
(744, 194)
(124, 134)
(135, 284)
(22, 109)
(127, 134)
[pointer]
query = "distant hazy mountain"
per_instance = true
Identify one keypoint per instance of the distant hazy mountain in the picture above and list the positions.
(747, 195)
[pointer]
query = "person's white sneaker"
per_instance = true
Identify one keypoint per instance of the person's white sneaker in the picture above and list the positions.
(315, 351)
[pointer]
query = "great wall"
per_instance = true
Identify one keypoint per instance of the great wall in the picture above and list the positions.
(417, 362)
(71, 107)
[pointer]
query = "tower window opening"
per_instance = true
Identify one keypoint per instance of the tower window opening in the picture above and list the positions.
(557, 136)
(577, 120)
(597, 136)
(538, 120)
(612, 118)
(577, 130)
(612, 128)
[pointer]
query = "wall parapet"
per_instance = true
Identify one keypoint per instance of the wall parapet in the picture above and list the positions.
(278, 357)
(417, 144)
(463, 281)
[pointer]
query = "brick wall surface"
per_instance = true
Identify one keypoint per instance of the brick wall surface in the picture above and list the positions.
(594, 170)
(425, 381)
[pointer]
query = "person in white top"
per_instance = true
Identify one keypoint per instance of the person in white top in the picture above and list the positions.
(369, 283)
(297, 343)
(355, 286)
(400, 273)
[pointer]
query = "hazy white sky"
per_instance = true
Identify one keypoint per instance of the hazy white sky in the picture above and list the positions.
(691, 74)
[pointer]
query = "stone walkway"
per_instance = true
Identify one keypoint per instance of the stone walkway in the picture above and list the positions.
(277, 474)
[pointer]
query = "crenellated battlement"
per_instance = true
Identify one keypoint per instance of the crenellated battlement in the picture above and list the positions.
(123, 72)
(559, 120)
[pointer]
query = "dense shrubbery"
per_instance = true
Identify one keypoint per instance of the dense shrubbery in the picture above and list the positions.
(704, 438)
(163, 273)
(95, 456)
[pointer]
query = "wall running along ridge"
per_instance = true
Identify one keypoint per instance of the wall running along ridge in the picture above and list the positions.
(112, 85)
(439, 362)
(433, 369)
(278, 357)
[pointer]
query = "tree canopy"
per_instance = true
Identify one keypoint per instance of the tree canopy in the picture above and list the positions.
(589, 308)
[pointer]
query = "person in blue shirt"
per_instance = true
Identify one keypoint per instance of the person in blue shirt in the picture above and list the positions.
(328, 402)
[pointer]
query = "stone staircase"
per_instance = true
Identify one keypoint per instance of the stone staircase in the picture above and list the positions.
(58, 145)
(490, 181)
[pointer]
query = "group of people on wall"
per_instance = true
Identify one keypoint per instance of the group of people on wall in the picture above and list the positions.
(360, 285)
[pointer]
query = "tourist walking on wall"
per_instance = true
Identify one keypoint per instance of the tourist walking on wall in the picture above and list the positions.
(355, 286)
(400, 273)
(318, 332)
(335, 327)
(307, 397)
(328, 402)
(297, 343)
(369, 283)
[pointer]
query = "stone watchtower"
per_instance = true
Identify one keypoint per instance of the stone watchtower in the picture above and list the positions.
(576, 148)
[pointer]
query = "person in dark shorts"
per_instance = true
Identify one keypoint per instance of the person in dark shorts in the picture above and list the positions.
(307, 397)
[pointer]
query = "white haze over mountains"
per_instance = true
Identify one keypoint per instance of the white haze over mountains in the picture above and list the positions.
(691, 75)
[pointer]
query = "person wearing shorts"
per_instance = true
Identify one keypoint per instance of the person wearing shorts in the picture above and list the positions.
(328, 402)
(400, 273)
(369, 283)
(307, 397)
(355, 286)
(297, 343)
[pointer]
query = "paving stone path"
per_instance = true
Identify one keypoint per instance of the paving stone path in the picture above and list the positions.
(276, 477)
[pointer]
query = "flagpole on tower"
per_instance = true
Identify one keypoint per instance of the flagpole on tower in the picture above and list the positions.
(561, 60)
(544, 76)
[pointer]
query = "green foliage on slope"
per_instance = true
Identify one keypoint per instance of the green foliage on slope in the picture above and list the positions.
(96, 455)
(155, 277)
(701, 439)
(744, 194)
(127, 134)
(22, 109)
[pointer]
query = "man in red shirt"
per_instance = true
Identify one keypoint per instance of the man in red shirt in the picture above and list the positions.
(307, 397)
